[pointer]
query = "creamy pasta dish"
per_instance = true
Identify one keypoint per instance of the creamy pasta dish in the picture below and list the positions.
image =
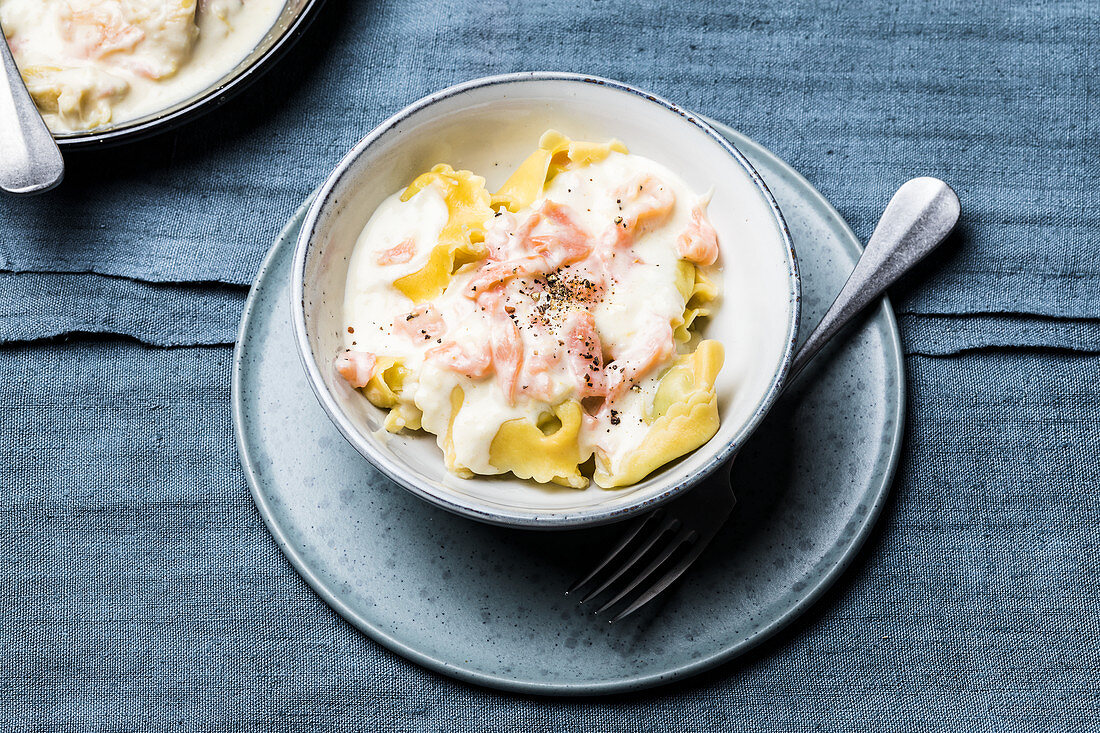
(90, 63)
(547, 329)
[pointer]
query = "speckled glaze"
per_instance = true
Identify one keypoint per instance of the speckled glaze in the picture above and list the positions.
(484, 603)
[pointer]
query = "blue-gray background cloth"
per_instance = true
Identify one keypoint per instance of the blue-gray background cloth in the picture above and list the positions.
(999, 98)
(141, 590)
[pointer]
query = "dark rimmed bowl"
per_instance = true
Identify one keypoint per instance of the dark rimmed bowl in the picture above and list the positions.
(288, 27)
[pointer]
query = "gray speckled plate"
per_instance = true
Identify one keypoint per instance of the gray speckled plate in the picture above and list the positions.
(485, 604)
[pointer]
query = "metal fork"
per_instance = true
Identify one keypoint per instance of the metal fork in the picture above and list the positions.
(682, 528)
(665, 543)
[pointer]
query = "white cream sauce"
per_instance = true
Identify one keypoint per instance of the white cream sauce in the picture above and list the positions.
(92, 63)
(641, 293)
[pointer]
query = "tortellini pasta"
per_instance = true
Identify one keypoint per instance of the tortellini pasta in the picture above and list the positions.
(549, 329)
(547, 450)
(460, 240)
(682, 417)
(555, 154)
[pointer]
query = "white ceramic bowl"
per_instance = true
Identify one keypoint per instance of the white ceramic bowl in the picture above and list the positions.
(489, 126)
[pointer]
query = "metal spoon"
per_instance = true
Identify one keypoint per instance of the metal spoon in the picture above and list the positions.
(917, 219)
(30, 161)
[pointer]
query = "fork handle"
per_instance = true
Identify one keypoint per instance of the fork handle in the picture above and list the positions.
(917, 219)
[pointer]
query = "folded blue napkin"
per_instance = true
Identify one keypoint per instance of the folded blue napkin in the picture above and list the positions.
(944, 335)
(37, 306)
(44, 305)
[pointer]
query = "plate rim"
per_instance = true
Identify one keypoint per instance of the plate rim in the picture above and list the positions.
(809, 596)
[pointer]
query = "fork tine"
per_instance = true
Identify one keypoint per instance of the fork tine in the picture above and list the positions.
(628, 537)
(665, 581)
(672, 523)
(684, 535)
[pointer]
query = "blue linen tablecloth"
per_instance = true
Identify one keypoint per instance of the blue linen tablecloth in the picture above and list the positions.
(142, 591)
(997, 98)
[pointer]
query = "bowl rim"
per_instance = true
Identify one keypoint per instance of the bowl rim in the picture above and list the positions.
(469, 506)
(186, 110)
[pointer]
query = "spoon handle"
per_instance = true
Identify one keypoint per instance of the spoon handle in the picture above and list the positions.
(916, 220)
(30, 161)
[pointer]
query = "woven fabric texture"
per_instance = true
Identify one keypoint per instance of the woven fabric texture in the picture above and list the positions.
(43, 305)
(944, 335)
(996, 98)
(142, 591)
